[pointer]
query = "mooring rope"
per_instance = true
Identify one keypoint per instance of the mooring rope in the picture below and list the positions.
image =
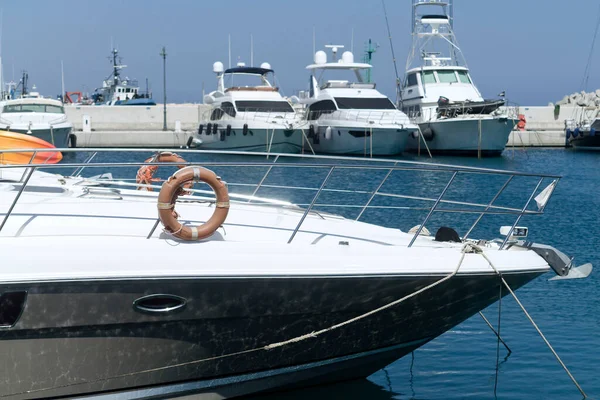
(478, 250)
(467, 248)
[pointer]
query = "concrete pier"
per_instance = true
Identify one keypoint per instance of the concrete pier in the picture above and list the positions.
(128, 126)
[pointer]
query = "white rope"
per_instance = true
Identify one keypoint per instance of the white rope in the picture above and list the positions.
(478, 250)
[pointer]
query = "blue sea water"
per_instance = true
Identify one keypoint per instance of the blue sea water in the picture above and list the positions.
(462, 364)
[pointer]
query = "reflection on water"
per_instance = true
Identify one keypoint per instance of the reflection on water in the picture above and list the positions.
(358, 389)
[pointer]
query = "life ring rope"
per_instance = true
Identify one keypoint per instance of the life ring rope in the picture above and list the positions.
(172, 188)
(145, 174)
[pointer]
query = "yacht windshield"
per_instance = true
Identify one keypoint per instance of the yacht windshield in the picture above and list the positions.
(41, 108)
(361, 103)
(263, 106)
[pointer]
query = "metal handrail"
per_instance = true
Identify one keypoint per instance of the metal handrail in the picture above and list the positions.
(373, 165)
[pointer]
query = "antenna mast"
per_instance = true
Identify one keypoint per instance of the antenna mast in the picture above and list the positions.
(368, 57)
(62, 79)
(393, 55)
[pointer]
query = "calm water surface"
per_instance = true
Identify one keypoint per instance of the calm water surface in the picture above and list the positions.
(461, 364)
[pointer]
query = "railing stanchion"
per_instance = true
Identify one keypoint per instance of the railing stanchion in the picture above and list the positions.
(512, 228)
(263, 179)
(14, 203)
(79, 170)
(375, 192)
(432, 209)
(30, 162)
(491, 203)
(311, 205)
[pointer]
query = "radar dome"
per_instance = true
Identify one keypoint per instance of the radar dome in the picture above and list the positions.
(320, 57)
(218, 67)
(348, 57)
(265, 65)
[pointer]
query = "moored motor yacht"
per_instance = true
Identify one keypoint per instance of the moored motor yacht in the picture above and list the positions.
(351, 117)
(34, 115)
(439, 93)
(98, 301)
(583, 133)
(248, 114)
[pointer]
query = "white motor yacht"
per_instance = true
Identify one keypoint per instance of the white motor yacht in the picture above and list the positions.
(100, 298)
(352, 117)
(439, 93)
(248, 114)
(34, 115)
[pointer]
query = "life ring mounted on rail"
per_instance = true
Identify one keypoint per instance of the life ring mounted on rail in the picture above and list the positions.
(173, 188)
(145, 175)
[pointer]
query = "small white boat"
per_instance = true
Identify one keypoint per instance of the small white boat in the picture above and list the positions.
(32, 114)
(97, 300)
(248, 116)
(348, 117)
(439, 93)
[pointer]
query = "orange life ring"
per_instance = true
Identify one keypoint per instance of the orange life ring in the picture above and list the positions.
(145, 174)
(173, 188)
(522, 122)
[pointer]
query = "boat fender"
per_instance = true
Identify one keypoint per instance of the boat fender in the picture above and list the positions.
(445, 234)
(593, 132)
(172, 189)
(428, 134)
(245, 129)
(145, 174)
(215, 129)
(189, 141)
(522, 122)
(222, 136)
(228, 130)
(311, 131)
(568, 133)
(200, 129)
(328, 133)
(72, 140)
(208, 129)
(576, 132)
(415, 134)
(316, 138)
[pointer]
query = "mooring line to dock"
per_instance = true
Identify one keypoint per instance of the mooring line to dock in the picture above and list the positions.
(478, 250)
(467, 248)
(495, 332)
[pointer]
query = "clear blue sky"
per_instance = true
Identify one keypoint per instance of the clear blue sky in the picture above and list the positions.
(535, 50)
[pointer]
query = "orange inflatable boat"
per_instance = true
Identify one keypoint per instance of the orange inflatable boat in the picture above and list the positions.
(14, 141)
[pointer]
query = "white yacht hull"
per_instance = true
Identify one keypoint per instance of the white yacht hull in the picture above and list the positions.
(58, 136)
(359, 141)
(461, 136)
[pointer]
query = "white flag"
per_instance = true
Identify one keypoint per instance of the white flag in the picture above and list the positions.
(542, 198)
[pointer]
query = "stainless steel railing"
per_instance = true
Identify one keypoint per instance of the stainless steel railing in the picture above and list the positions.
(328, 165)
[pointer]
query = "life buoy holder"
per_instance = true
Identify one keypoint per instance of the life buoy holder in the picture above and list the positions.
(174, 187)
(145, 175)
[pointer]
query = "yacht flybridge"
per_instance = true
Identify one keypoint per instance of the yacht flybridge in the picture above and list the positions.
(276, 279)
(439, 93)
(248, 114)
(351, 117)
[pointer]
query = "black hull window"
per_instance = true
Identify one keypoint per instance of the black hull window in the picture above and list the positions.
(321, 107)
(263, 106)
(358, 103)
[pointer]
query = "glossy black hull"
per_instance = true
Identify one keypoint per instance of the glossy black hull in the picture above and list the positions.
(586, 142)
(86, 338)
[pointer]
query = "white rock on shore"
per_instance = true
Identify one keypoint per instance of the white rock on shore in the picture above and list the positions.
(582, 99)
